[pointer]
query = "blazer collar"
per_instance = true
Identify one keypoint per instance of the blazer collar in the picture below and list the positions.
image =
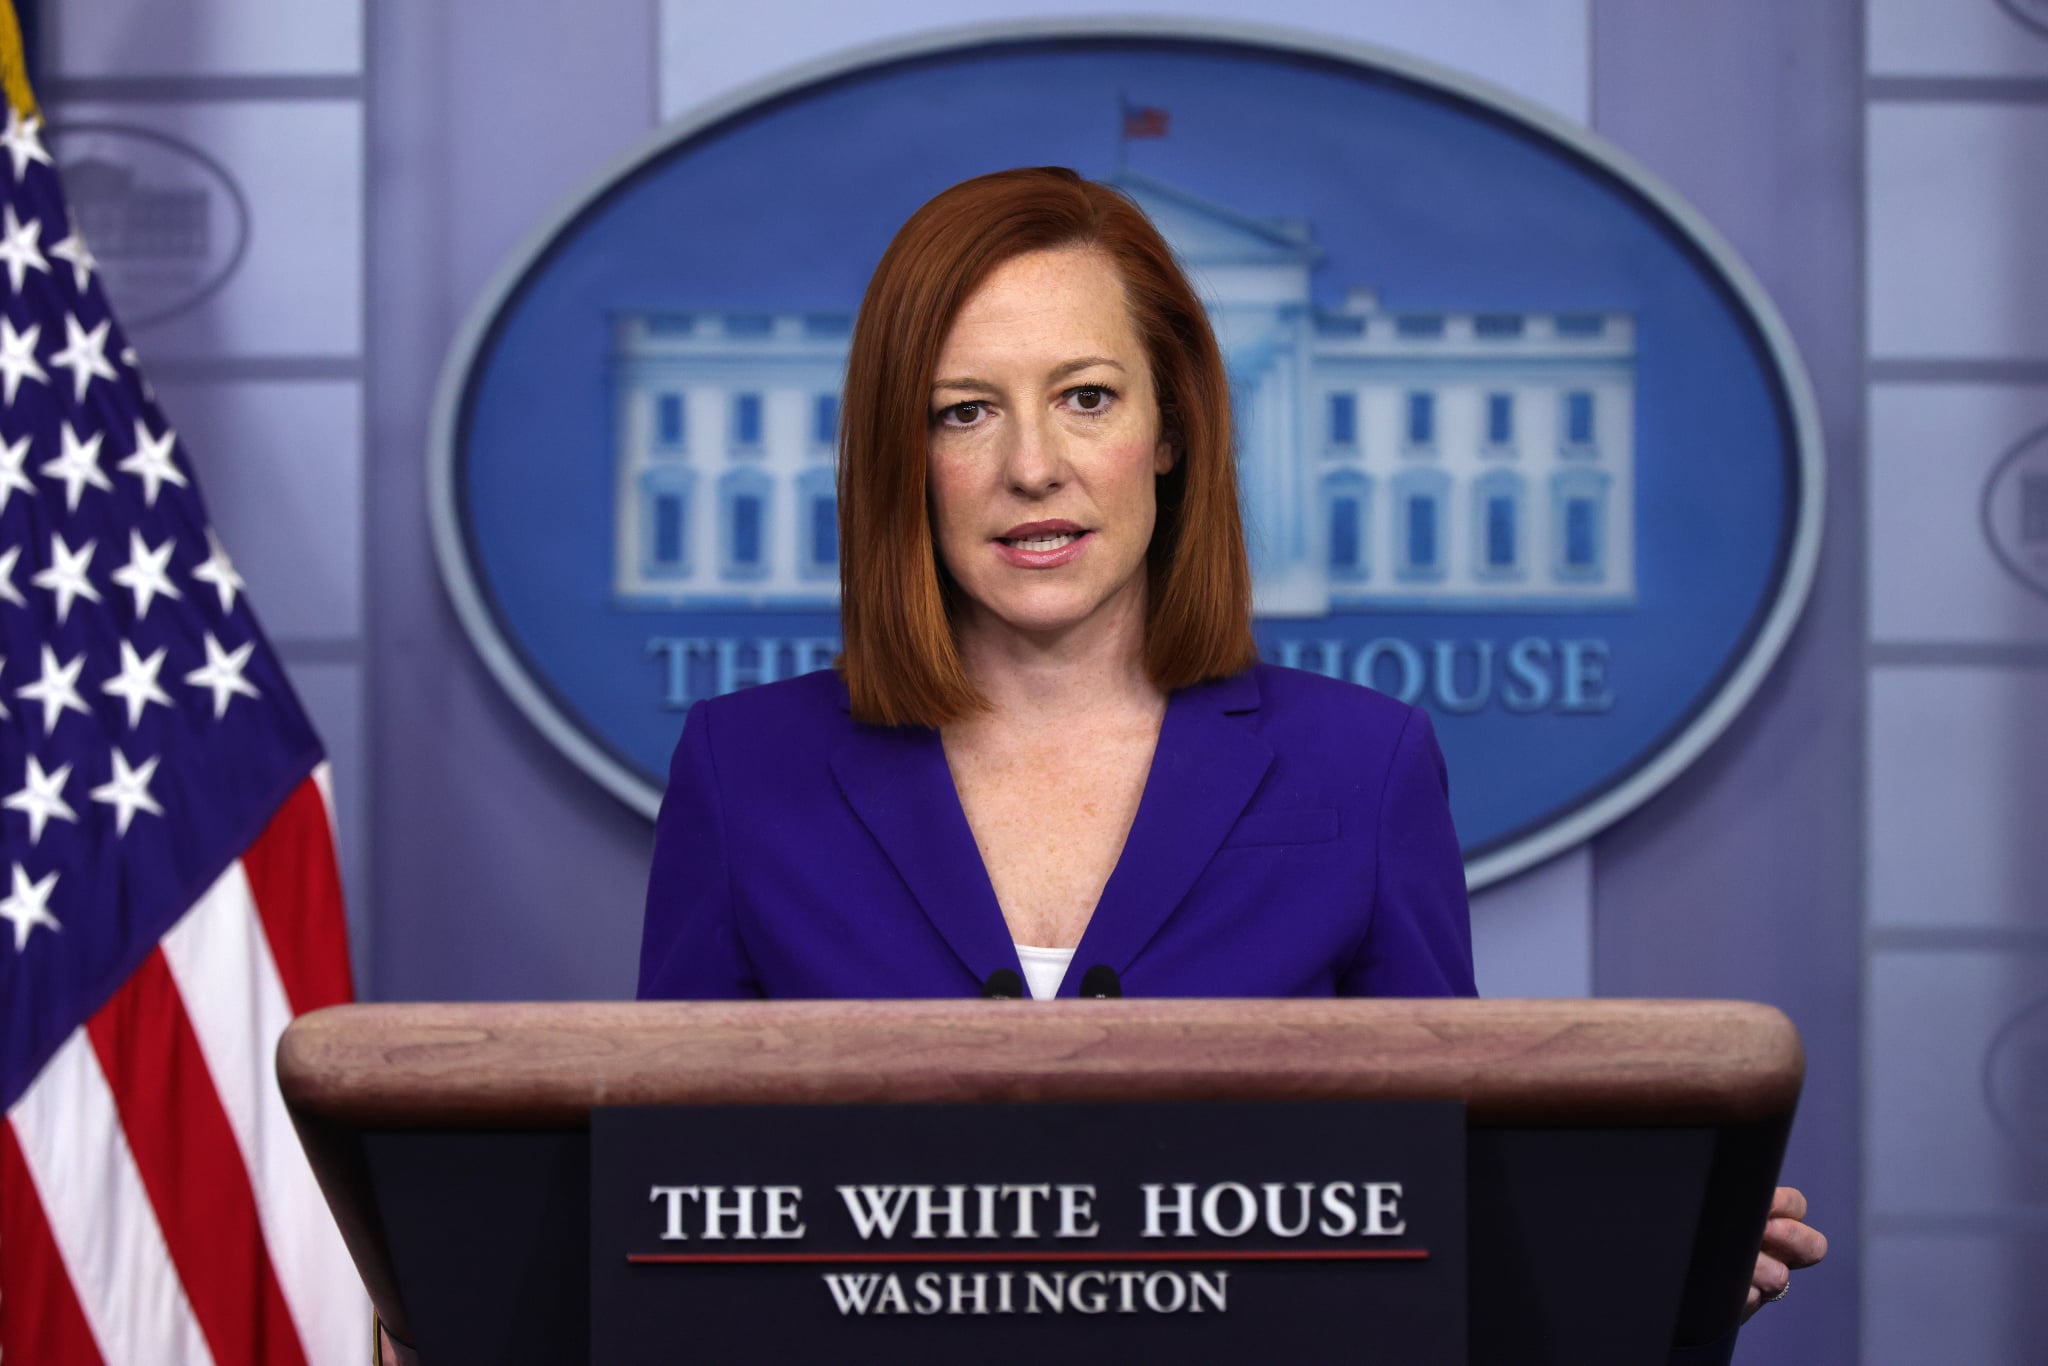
(1204, 771)
(896, 780)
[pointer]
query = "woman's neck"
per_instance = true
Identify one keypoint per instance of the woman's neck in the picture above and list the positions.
(1092, 669)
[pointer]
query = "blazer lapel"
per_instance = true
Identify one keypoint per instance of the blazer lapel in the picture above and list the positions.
(897, 782)
(1204, 771)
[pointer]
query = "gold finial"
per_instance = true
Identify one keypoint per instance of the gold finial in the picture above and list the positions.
(14, 64)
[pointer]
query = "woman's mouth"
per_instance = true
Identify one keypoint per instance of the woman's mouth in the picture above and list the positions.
(1042, 545)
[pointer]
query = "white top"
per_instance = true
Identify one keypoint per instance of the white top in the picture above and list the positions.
(1044, 969)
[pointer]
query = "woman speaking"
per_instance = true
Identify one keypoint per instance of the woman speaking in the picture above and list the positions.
(1049, 747)
(1048, 739)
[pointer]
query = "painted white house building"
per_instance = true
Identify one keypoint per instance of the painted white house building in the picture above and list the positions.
(1413, 459)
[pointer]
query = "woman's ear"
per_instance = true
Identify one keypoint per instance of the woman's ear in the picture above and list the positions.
(1163, 458)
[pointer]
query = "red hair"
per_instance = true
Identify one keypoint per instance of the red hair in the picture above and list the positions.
(901, 663)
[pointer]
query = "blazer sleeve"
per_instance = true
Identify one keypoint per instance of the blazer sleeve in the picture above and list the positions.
(1418, 941)
(690, 945)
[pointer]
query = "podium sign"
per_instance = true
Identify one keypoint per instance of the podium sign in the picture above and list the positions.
(1299, 1231)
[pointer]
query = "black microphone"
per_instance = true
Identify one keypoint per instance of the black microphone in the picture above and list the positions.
(1003, 985)
(1100, 983)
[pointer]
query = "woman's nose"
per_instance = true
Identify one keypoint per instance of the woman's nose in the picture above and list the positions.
(1033, 464)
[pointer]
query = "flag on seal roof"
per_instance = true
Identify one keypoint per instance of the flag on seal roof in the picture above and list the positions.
(1145, 121)
(168, 888)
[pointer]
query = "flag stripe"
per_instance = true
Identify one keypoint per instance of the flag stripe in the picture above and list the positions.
(218, 944)
(323, 778)
(99, 1215)
(172, 1195)
(191, 1167)
(39, 1315)
(297, 886)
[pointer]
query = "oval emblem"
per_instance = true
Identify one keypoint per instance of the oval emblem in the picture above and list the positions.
(1520, 439)
(166, 222)
(2016, 511)
(2016, 1078)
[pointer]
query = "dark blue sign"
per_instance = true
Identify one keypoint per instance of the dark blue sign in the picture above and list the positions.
(1520, 440)
(1297, 1232)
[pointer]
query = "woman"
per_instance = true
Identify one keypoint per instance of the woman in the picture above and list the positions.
(1049, 741)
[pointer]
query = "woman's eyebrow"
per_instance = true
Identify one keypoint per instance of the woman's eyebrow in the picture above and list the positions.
(1059, 372)
(1084, 363)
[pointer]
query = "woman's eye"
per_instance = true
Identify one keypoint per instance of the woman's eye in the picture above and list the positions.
(1092, 398)
(961, 414)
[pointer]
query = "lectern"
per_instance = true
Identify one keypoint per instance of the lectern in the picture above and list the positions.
(1618, 1155)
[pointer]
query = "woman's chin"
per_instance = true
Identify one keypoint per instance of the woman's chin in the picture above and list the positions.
(1046, 619)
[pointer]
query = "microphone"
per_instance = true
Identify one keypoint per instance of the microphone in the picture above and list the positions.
(1100, 983)
(1003, 985)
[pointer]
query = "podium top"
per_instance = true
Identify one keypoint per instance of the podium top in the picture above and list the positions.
(532, 1065)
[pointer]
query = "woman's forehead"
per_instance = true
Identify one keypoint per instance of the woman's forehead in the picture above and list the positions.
(1043, 306)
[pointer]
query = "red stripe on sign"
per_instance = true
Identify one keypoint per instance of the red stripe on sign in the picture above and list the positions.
(192, 1168)
(297, 886)
(1361, 1254)
(40, 1319)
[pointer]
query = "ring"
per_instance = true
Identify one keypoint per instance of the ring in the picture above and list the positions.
(1780, 1293)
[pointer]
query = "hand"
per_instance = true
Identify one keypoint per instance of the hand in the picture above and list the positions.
(1788, 1244)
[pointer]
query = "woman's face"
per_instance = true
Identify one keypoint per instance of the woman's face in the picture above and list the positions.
(1044, 448)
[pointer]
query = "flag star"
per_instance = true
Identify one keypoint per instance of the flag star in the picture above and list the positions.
(66, 576)
(4, 713)
(218, 570)
(145, 573)
(41, 798)
(134, 364)
(222, 674)
(27, 907)
(74, 250)
(21, 142)
(57, 689)
(18, 358)
(12, 457)
(84, 353)
(128, 791)
(8, 591)
(136, 684)
(18, 247)
(152, 462)
(78, 466)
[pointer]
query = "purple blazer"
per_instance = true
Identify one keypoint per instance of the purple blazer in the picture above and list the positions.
(1293, 839)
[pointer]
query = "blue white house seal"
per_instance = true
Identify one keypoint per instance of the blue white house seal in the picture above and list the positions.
(1520, 439)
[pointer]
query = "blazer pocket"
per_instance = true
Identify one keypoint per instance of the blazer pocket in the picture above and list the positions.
(1283, 827)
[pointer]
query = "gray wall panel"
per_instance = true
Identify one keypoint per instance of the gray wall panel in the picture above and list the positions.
(493, 851)
(1742, 879)
(1962, 1297)
(1934, 572)
(1958, 785)
(1954, 38)
(1957, 267)
(121, 38)
(281, 465)
(296, 167)
(1961, 1035)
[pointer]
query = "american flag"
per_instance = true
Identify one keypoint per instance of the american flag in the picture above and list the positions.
(168, 889)
(1144, 121)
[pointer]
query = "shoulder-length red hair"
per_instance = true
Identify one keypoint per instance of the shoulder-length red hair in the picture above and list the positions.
(901, 662)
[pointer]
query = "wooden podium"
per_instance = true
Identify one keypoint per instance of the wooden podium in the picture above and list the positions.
(1620, 1154)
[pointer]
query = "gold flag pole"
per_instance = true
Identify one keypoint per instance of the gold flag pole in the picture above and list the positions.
(14, 64)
